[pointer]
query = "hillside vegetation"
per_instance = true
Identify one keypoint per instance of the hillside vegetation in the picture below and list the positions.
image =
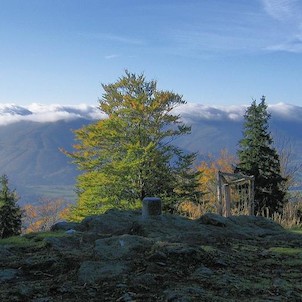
(37, 168)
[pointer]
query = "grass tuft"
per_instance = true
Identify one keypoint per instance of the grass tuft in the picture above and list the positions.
(31, 239)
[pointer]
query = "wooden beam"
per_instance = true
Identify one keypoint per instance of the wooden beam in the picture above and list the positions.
(227, 191)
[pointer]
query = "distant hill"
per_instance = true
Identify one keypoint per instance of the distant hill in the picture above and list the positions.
(30, 156)
(30, 142)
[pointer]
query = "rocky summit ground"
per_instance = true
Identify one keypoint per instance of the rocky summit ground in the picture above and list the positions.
(121, 256)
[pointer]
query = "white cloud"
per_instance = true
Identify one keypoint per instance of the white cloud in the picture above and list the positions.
(11, 113)
(196, 112)
(281, 10)
(276, 26)
(288, 14)
(190, 113)
(283, 111)
(293, 44)
(113, 38)
(193, 112)
(113, 56)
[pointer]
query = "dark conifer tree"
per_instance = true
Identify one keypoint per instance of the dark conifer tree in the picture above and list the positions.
(10, 212)
(258, 157)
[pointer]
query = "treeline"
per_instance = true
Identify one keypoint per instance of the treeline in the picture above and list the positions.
(15, 220)
(130, 155)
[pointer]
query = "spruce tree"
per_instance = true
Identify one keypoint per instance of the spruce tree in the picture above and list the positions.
(10, 212)
(129, 155)
(258, 157)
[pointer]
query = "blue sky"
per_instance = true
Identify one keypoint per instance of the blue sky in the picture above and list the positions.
(213, 52)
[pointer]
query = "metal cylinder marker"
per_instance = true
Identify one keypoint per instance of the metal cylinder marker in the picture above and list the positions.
(151, 207)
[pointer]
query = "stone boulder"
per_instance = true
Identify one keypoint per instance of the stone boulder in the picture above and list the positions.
(95, 271)
(121, 247)
(112, 222)
(65, 226)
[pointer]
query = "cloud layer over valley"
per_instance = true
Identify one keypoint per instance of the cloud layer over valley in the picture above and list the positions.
(31, 137)
(191, 113)
(11, 113)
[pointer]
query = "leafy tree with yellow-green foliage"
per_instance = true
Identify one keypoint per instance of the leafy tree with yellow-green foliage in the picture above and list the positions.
(129, 155)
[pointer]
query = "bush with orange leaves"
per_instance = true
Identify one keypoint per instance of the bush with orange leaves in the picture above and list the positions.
(41, 216)
(208, 184)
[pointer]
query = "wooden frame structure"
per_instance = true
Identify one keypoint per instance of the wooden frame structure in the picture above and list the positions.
(226, 181)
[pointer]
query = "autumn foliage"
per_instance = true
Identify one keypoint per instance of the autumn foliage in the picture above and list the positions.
(41, 216)
(208, 184)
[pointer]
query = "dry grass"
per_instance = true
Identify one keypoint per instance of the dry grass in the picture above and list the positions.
(191, 210)
(291, 216)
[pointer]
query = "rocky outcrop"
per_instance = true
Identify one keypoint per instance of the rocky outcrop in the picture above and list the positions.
(122, 256)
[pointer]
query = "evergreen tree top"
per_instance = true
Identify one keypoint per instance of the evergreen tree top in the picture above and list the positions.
(258, 157)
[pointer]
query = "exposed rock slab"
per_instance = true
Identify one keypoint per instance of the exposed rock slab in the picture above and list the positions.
(122, 256)
(95, 271)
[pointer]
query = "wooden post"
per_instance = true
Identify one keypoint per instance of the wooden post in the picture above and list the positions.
(219, 194)
(240, 181)
(227, 190)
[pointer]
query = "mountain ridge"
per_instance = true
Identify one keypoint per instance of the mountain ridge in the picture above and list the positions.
(29, 148)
